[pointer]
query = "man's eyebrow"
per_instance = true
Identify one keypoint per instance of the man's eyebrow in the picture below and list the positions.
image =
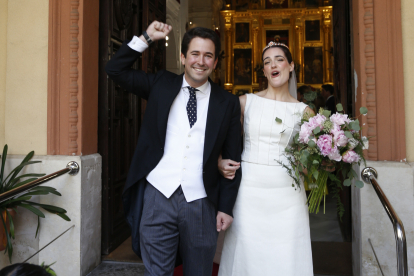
(197, 52)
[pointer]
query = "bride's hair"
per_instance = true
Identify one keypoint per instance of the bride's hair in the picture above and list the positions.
(282, 46)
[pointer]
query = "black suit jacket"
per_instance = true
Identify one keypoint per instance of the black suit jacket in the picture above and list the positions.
(223, 135)
(330, 105)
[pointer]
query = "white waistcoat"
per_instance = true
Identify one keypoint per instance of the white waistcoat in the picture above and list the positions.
(182, 162)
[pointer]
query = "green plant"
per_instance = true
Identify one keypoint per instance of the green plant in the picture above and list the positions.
(14, 180)
(48, 268)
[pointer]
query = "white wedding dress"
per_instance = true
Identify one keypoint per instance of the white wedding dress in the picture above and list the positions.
(270, 233)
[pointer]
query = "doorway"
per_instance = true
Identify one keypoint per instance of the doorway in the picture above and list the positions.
(121, 113)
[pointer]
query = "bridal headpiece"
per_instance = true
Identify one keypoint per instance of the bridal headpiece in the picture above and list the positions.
(273, 44)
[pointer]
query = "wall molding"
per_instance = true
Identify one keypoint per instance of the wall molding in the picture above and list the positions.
(369, 85)
(73, 75)
(379, 63)
(73, 62)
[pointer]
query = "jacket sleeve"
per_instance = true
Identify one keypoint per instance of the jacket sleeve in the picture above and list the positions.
(231, 150)
(119, 70)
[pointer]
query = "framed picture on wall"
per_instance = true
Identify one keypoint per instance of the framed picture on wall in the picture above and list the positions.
(241, 5)
(313, 63)
(242, 66)
(312, 30)
(280, 4)
(281, 36)
(242, 34)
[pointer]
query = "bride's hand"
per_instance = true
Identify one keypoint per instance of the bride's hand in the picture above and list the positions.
(227, 167)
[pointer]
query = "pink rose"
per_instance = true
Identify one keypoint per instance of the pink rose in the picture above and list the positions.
(305, 132)
(339, 119)
(324, 144)
(350, 156)
(317, 121)
(335, 155)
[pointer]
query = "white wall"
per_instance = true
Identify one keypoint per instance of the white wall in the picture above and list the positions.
(370, 221)
(79, 250)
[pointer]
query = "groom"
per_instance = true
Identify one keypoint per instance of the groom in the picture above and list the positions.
(175, 199)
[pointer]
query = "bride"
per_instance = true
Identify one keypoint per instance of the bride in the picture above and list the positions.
(270, 233)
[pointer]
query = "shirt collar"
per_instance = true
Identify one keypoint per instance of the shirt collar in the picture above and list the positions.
(203, 89)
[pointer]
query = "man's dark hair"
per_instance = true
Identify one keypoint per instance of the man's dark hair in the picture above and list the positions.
(23, 269)
(202, 33)
(328, 88)
(303, 89)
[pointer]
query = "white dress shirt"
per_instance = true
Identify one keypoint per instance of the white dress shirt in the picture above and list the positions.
(182, 162)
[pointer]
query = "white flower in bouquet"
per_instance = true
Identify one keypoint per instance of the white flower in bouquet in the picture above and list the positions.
(365, 143)
(352, 143)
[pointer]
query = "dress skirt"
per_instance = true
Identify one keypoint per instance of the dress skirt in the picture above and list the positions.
(270, 233)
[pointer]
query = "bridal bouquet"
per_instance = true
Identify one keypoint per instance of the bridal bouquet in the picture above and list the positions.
(326, 147)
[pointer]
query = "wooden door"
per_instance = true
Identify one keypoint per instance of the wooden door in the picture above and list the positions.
(343, 87)
(120, 113)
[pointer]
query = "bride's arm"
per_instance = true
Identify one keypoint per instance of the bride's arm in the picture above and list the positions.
(228, 167)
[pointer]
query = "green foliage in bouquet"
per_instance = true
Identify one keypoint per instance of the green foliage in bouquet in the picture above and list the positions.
(308, 162)
(14, 180)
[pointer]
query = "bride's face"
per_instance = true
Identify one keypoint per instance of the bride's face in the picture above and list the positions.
(276, 67)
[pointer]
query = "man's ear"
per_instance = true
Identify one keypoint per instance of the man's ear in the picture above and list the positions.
(182, 57)
(215, 63)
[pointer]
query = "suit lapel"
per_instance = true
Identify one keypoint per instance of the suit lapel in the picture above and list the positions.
(164, 105)
(215, 114)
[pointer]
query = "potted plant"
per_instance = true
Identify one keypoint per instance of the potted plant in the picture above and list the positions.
(8, 208)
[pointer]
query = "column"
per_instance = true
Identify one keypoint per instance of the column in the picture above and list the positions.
(299, 52)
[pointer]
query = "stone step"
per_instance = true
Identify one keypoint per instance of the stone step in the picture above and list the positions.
(111, 268)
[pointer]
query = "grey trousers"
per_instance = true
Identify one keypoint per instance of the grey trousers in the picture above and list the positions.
(168, 224)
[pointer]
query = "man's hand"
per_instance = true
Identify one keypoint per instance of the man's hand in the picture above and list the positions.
(157, 31)
(223, 221)
(228, 168)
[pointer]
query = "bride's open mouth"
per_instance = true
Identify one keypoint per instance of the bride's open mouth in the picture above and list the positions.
(275, 74)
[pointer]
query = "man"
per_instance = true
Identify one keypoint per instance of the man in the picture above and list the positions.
(327, 93)
(174, 197)
(301, 93)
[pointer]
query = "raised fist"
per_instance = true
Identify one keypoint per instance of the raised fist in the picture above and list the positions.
(158, 30)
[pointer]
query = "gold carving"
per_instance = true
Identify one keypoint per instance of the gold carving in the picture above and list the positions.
(292, 20)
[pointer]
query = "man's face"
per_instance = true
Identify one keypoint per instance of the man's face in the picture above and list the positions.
(200, 61)
(324, 93)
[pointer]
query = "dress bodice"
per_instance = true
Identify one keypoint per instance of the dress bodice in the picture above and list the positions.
(265, 139)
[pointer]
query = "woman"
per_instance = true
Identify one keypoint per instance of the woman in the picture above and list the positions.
(270, 233)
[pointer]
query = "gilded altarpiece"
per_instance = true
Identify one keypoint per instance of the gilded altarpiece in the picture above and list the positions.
(307, 32)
